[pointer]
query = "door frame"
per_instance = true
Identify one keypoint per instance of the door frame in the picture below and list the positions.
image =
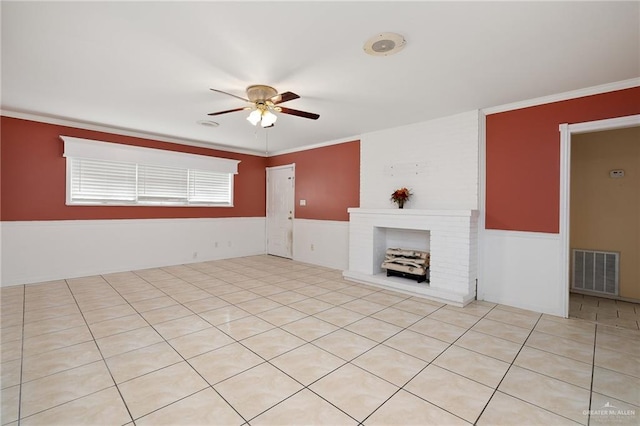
(566, 131)
(293, 208)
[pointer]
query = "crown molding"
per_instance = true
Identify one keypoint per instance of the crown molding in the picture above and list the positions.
(61, 121)
(594, 90)
(314, 146)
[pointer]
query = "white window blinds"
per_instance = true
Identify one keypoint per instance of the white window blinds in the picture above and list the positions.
(157, 184)
(98, 175)
(95, 180)
(209, 187)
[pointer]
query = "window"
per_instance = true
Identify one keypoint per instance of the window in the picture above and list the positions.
(102, 173)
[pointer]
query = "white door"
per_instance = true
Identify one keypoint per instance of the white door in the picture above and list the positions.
(280, 203)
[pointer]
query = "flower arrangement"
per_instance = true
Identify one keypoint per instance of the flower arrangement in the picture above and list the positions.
(400, 196)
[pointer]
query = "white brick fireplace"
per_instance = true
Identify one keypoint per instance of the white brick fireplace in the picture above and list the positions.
(450, 235)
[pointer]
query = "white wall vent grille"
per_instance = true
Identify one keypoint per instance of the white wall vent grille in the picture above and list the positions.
(596, 271)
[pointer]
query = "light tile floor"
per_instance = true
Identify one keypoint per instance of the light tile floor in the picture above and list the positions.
(605, 311)
(267, 341)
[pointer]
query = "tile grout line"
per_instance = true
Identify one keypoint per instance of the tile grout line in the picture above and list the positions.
(536, 372)
(437, 356)
(507, 372)
(400, 388)
(24, 313)
(191, 366)
(380, 344)
(307, 387)
(593, 372)
(552, 353)
(97, 347)
(95, 342)
(268, 361)
(178, 353)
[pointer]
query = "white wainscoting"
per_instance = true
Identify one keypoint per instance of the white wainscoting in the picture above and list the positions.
(329, 239)
(48, 250)
(522, 269)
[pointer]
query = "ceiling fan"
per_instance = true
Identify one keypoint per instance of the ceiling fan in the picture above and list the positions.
(265, 100)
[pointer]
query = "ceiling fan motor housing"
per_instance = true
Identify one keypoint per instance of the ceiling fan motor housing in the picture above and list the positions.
(260, 92)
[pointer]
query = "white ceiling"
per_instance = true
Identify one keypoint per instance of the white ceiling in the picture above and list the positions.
(148, 66)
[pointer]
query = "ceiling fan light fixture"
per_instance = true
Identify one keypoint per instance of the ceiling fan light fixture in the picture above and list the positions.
(384, 44)
(268, 118)
(255, 116)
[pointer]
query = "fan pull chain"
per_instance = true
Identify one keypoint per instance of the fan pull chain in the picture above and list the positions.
(255, 135)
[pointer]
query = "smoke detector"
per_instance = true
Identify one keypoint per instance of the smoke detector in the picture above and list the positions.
(384, 44)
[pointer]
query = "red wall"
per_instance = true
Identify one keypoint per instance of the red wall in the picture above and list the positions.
(523, 158)
(328, 178)
(32, 177)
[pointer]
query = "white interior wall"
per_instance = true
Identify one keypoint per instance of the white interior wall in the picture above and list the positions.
(522, 269)
(437, 160)
(321, 242)
(37, 251)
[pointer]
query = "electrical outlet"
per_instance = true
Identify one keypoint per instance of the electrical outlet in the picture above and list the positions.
(312, 247)
(616, 174)
(195, 254)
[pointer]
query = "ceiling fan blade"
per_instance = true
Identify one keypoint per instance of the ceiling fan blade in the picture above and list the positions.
(284, 97)
(303, 114)
(227, 111)
(231, 94)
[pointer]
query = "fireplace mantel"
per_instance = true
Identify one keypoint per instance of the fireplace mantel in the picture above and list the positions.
(452, 242)
(412, 212)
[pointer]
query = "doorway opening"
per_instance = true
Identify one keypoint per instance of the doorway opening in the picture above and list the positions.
(586, 224)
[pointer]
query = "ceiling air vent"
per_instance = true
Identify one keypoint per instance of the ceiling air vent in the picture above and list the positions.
(384, 44)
